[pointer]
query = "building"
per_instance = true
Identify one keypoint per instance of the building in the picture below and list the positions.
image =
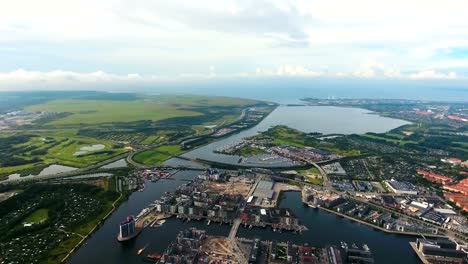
(401, 187)
(461, 187)
(460, 198)
(264, 190)
(453, 161)
(439, 251)
(434, 177)
(434, 217)
(464, 164)
(127, 227)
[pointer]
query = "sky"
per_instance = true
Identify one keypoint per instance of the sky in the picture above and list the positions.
(56, 43)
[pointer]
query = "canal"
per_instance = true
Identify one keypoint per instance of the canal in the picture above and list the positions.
(324, 229)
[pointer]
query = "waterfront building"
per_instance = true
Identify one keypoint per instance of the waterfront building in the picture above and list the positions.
(440, 251)
(127, 227)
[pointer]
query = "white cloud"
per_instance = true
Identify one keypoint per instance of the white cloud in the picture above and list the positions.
(432, 74)
(288, 71)
(22, 76)
(60, 79)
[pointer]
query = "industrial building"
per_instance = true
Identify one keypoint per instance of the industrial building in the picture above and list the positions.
(401, 187)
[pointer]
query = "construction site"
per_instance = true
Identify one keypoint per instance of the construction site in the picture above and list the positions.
(195, 246)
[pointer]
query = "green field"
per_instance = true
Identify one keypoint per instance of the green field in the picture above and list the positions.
(391, 138)
(157, 156)
(116, 121)
(37, 217)
(286, 136)
(312, 176)
(152, 108)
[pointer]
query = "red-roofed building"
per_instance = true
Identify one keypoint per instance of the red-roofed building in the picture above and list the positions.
(424, 113)
(454, 117)
(434, 177)
(459, 199)
(461, 187)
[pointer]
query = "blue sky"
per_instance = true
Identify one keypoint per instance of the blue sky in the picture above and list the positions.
(55, 43)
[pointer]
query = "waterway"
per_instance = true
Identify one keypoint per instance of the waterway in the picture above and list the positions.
(322, 119)
(324, 229)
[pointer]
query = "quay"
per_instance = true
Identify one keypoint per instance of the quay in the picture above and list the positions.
(375, 226)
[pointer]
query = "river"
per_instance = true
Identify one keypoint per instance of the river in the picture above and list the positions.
(324, 228)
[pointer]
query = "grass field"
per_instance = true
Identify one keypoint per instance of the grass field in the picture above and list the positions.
(286, 136)
(401, 141)
(312, 176)
(157, 155)
(152, 108)
(37, 217)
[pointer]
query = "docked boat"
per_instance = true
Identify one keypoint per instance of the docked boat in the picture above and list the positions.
(143, 213)
(152, 257)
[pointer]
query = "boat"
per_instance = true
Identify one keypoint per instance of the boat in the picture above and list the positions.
(152, 257)
(142, 249)
(158, 223)
(365, 247)
(143, 212)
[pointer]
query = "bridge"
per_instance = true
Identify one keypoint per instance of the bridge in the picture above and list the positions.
(234, 228)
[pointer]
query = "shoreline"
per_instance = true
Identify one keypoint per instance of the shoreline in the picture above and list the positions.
(377, 227)
(115, 205)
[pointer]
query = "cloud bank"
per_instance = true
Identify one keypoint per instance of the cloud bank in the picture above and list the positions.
(172, 40)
